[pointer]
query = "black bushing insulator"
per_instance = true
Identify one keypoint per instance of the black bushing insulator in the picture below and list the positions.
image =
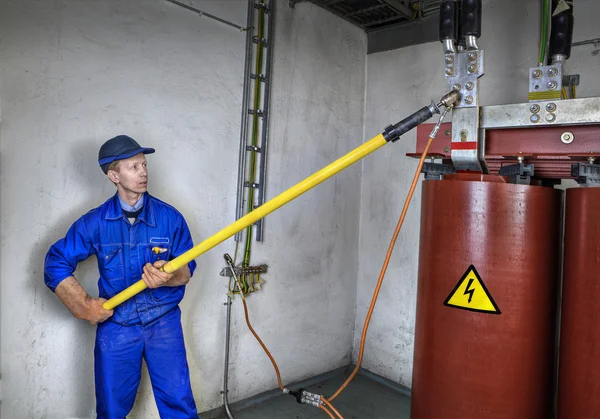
(470, 16)
(561, 35)
(449, 20)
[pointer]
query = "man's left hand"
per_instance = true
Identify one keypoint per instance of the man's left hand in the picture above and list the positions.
(153, 277)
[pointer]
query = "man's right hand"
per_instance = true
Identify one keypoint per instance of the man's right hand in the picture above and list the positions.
(95, 313)
(74, 297)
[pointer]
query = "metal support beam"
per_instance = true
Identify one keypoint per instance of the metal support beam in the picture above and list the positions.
(400, 7)
(365, 10)
(559, 112)
(403, 35)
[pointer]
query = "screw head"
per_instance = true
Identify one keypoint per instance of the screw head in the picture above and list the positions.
(446, 149)
(447, 132)
(449, 71)
(469, 100)
(456, 87)
(472, 56)
(520, 159)
(535, 108)
(470, 85)
(552, 85)
(551, 107)
(550, 117)
(535, 118)
(591, 159)
(463, 135)
(567, 137)
(472, 68)
(449, 59)
(553, 71)
(537, 74)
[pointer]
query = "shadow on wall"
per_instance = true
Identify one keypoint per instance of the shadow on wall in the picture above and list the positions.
(82, 188)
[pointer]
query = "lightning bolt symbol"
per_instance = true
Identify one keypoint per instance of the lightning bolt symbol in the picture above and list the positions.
(469, 291)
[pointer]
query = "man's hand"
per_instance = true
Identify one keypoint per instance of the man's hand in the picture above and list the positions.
(153, 277)
(74, 297)
(95, 312)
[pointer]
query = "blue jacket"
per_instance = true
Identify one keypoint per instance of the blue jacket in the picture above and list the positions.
(122, 249)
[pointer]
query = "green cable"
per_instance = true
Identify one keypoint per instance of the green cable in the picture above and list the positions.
(544, 34)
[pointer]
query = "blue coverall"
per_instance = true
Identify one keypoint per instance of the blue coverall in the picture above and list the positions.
(146, 326)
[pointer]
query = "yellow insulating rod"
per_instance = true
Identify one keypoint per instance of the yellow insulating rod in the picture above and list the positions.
(392, 133)
(252, 217)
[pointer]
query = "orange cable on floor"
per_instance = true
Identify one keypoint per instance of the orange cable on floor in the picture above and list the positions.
(326, 411)
(328, 403)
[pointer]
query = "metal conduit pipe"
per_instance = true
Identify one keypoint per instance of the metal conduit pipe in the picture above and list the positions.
(226, 366)
(240, 184)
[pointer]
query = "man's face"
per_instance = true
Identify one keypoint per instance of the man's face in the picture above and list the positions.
(131, 174)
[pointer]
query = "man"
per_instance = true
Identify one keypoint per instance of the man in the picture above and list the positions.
(132, 235)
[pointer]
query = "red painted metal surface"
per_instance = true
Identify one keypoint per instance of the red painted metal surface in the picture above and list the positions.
(474, 365)
(579, 361)
(541, 146)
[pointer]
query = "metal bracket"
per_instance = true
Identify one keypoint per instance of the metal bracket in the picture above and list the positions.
(253, 148)
(261, 41)
(570, 80)
(435, 171)
(261, 269)
(261, 6)
(258, 112)
(261, 77)
(586, 174)
(518, 173)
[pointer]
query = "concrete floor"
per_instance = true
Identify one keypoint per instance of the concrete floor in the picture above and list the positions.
(363, 398)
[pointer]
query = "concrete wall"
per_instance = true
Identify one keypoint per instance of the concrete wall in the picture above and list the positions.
(398, 83)
(73, 74)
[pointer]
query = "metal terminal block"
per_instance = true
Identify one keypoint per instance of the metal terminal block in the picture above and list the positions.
(586, 174)
(435, 171)
(519, 173)
(545, 83)
(462, 72)
(239, 271)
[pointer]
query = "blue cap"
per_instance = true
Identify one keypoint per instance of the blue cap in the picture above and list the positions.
(119, 148)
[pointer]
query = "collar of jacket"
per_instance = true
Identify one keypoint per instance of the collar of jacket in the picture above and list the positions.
(114, 210)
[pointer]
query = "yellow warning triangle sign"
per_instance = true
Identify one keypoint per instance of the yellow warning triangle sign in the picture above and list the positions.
(471, 294)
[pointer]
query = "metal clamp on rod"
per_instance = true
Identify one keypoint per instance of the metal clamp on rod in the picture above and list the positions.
(393, 132)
